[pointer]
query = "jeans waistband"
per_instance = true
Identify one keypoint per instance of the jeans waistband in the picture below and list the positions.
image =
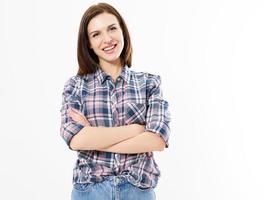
(116, 179)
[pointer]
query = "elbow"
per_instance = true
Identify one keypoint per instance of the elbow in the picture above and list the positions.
(77, 142)
(159, 143)
(73, 148)
(81, 141)
(162, 145)
(73, 144)
(78, 147)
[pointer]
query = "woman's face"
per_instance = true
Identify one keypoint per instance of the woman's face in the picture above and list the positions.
(106, 37)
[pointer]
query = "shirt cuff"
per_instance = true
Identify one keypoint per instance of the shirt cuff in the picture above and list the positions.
(160, 128)
(69, 130)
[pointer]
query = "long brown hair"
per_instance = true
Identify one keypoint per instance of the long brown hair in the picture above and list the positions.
(87, 59)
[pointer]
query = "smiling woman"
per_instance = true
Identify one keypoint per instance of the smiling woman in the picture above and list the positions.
(112, 116)
(106, 40)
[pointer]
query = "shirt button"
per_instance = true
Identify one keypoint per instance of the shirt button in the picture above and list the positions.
(116, 181)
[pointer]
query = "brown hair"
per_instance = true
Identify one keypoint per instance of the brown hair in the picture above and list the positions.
(87, 59)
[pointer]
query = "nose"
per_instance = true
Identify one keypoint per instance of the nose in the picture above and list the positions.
(107, 38)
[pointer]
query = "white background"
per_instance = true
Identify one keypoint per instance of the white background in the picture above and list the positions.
(210, 57)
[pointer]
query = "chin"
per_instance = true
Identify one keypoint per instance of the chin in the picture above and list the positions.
(111, 59)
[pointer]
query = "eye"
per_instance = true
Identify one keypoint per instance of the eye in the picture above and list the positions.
(95, 35)
(113, 28)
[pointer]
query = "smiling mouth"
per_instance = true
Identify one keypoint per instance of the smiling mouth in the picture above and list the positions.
(109, 49)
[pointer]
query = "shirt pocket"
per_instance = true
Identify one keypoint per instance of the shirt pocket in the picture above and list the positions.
(135, 113)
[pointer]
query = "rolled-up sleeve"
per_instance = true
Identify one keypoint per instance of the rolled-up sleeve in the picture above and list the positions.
(158, 115)
(70, 99)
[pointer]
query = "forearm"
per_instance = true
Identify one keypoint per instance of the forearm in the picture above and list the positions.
(91, 138)
(145, 142)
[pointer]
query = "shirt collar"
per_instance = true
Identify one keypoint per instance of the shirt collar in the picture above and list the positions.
(125, 74)
(101, 76)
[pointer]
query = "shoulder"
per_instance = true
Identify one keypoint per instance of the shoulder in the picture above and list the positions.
(78, 81)
(148, 78)
(73, 81)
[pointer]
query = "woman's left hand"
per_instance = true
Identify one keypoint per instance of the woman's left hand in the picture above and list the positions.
(78, 117)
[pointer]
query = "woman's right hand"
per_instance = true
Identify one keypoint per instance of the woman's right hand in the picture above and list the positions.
(78, 117)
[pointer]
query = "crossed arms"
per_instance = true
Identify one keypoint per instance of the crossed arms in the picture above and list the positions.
(124, 139)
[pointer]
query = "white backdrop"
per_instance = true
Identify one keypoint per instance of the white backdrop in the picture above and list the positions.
(210, 57)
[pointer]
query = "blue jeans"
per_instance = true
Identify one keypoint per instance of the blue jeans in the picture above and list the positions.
(113, 188)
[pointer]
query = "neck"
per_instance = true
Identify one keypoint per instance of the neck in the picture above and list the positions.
(113, 69)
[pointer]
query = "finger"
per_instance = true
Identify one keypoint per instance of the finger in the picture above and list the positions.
(73, 112)
(78, 121)
(78, 117)
(79, 113)
(75, 116)
(76, 111)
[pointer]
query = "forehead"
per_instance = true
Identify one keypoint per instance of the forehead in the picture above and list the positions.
(101, 21)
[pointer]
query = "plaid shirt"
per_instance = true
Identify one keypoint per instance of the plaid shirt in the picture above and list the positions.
(135, 97)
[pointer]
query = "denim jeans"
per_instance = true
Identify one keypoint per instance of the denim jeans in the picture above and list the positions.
(113, 188)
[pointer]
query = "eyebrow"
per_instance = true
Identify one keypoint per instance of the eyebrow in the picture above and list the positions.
(107, 27)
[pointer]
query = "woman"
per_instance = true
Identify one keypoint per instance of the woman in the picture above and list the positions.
(112, 116)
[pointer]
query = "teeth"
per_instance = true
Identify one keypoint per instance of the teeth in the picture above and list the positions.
(109, 48)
